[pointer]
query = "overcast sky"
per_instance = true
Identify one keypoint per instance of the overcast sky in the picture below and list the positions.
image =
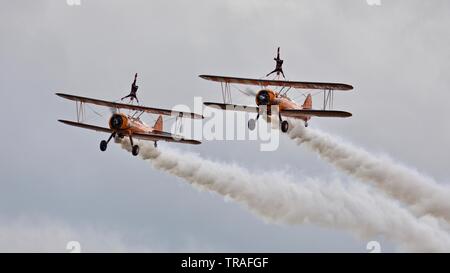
(57, 186)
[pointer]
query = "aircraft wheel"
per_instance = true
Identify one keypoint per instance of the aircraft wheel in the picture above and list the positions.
(284, 126)
(103, 145)
(251, 124)
(155, 144)
(135, 150)
(306, 124)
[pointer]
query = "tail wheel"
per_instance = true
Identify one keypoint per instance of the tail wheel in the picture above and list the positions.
(284, 126)
(103, 145)
(251, 124)
(135, 150)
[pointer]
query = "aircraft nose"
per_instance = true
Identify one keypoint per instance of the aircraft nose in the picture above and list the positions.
(263, 98)
(116, 122)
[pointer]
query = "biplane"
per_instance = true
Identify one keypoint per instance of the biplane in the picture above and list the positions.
(287, 107)
(129, 125)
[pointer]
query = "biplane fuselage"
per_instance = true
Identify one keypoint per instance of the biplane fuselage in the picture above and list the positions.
(125, 125)
(268, 98)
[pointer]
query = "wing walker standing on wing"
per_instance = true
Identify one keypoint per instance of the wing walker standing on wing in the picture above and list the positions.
(279, 66)
(134, 89)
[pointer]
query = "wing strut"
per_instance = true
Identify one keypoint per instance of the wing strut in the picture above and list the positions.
(80, 111)
(226, 92)
(179, 125)
(328, 99)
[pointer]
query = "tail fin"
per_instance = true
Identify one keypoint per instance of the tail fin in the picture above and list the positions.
(158, 124)
(308, 102)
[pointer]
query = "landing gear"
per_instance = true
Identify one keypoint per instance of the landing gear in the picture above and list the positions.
(284, 126)
(306, 124)
(134, 148)
(104, 143)
(252, 123)
(155, 144)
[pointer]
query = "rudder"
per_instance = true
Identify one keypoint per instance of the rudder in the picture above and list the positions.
(158, 124)
(308, 102)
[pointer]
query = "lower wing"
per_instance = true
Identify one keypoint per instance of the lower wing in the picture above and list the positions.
(154, 136)
(165, 136)
(232, 107)
(315, 113)
(86, 126)
(287, 113)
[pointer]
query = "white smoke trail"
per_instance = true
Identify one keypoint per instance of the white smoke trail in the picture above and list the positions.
(275, 198)
(422, 194)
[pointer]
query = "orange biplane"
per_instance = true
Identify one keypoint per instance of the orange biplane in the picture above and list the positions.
(121, 125)
(286, 106)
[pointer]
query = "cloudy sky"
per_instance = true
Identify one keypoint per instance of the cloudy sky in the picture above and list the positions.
(57, 187)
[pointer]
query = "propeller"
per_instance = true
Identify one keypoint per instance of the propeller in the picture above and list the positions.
(248, 92)
(113, 110)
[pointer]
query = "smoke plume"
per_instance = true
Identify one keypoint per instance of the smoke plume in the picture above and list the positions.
(276, 198)
(422, 194)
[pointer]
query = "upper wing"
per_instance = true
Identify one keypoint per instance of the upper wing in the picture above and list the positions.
(233, 107)
(298, 85)
(315, 113)
(154, 136)
(130, 107)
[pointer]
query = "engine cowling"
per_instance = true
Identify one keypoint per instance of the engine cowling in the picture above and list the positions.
(118, 121)
(265, 97)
